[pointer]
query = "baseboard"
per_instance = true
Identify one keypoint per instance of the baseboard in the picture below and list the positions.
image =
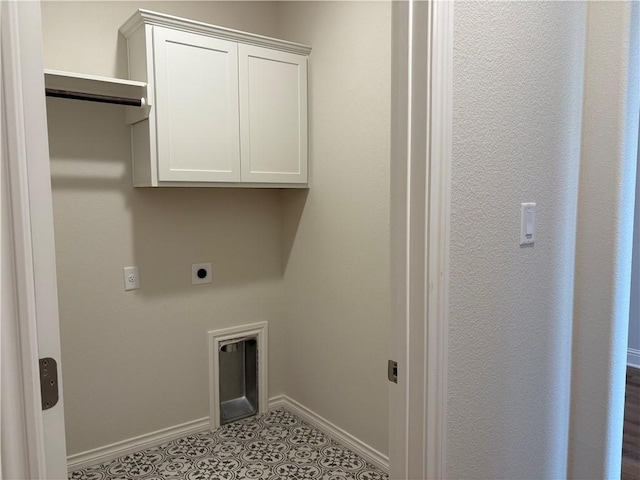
(111, 452)
(365, 451)
(633, 357)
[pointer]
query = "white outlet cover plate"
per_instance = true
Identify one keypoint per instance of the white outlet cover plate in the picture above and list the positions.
(131, 278)
(195, 268)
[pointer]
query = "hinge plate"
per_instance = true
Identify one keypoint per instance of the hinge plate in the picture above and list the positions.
(392, 371)
(48, 382)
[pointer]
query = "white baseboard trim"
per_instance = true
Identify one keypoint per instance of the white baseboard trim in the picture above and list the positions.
(633, 357)
(111, 452)
(365, 451)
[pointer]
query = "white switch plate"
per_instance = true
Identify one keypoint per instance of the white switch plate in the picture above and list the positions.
(197, 272)
(131, 278)
(527, 223)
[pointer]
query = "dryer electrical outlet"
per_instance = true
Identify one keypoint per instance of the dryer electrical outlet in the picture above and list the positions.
(201, 273)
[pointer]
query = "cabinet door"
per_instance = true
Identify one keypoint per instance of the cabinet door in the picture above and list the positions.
(196, 107)
(273, 115)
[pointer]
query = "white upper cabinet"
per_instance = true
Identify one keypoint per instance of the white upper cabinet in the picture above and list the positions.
(226, 108)
(196, 82)
(273, 115)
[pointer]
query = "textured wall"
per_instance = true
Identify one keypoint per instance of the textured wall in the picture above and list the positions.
(604, 238)
(136, 362)
(517, 96)
(337, 246)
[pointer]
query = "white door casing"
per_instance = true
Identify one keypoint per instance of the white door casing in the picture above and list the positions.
(421, 124)
(25, 161)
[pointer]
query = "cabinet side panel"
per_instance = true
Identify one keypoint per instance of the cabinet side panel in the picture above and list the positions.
(140, 143)
(137, 56)
(139, 47)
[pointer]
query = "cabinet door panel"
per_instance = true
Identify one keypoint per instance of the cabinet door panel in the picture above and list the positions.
(196, 107)
(273, 115)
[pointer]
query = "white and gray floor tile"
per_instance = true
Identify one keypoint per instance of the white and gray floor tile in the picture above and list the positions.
(277, 445)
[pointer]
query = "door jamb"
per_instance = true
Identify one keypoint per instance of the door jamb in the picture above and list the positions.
(421, 142)
(31, 208)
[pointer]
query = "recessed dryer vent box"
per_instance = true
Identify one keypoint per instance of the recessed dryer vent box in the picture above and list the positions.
(238, 373)
(238, 379)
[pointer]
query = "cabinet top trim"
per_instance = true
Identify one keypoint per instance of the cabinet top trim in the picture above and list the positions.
(147, 17)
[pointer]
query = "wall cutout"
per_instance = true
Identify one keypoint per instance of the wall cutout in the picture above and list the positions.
(236, 355)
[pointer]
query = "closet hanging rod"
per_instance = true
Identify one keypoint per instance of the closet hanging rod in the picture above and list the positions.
(92, 97)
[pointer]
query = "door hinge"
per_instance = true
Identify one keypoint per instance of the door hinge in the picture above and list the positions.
(48, 382)
(392, 371)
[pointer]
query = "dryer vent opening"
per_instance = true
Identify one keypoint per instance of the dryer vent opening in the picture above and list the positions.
(238, 372)
(238, 376)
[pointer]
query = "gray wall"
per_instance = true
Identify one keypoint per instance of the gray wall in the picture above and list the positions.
(337, 271)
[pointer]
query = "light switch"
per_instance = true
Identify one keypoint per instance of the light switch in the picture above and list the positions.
(527, 223)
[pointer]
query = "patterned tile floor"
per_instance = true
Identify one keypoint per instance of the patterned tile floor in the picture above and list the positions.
(277, 445)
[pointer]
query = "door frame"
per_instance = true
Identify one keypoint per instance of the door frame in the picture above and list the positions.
(421, 145)
(421, 151)
(422, 53)
(31, 279)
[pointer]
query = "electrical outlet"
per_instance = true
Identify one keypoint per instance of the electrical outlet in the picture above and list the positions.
(131, 278)
(200, 273)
